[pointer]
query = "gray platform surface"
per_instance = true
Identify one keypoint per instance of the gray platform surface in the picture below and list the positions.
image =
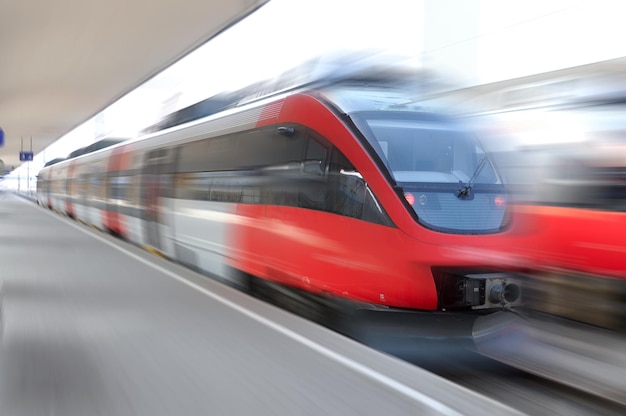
(96, 326)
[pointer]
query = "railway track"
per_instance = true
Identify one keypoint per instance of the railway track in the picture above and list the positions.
(526, 392)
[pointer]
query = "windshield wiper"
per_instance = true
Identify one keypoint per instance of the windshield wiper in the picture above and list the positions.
(465, 191)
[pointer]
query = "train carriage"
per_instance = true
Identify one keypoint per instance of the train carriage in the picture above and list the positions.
(345, 190)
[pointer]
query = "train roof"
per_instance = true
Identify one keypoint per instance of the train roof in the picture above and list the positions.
(389, 85)
(353, 96)
(104, 143)
(101, 144)
(53, 161)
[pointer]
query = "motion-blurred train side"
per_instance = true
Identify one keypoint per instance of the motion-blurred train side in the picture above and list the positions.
(345, 191)
(574, 238)
(568, 197)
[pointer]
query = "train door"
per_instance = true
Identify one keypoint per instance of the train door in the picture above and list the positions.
(155, 191)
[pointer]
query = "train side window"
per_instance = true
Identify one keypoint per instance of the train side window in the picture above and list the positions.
(225, 189)
(82, 186)
(278, 159)
(346, 187)
(133, 188)
(349, 194)
(206, 155)
(100, 186)
(265, 148)
(315, 157)
(312, 182)
(262, 167)
(191, 186)
(73, 185)
(120, 183)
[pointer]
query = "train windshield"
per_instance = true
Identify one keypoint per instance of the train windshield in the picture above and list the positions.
(445, 175)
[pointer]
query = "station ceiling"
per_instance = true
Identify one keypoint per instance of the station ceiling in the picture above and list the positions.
(64, 61)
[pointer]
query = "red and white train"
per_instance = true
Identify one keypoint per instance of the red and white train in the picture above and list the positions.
(345, 190)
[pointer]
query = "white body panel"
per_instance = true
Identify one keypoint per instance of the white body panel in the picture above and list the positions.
(81, 210)
(166, 232)
(201, 230)
(135, 229)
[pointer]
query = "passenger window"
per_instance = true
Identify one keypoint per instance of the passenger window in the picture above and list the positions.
(300, 170)
(312, 184)
(349, 194)
(315, 158)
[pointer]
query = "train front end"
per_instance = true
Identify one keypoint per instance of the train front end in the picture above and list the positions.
(454, 194)
(444, 194)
